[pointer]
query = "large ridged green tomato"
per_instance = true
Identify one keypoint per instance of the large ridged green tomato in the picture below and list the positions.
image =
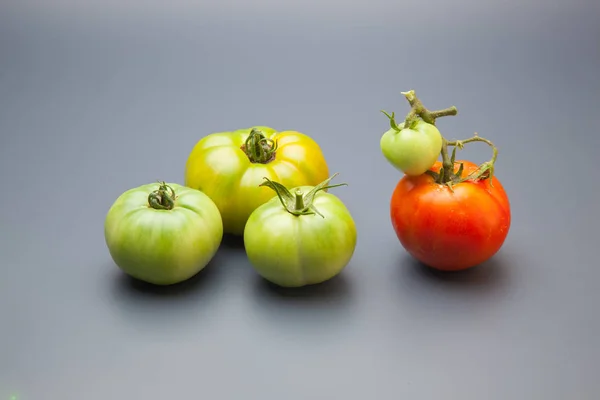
(163, 233)
(229, 167)
(300, 237)
(413, 149)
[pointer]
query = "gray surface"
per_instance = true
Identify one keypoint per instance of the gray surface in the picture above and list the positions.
(100, 98)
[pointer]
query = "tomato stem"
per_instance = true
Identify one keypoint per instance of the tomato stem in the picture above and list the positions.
(485, 170)
(300, 203)
(418, 109)
(259, 148)
(299, 206)
(163, 198)
(446, 174)
(447, 164)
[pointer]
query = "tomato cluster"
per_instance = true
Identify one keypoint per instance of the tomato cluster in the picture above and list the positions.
(450, 215)
(271, 189)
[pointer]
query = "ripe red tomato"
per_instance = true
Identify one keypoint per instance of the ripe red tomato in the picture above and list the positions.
(450, 230)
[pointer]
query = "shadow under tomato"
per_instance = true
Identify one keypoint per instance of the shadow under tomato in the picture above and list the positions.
(334, 290)
(310, 309)
(157, 309)
(127, 286)
(488, 278)
(232, 242)
(320, 310)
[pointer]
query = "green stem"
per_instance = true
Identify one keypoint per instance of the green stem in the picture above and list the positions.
(299, 206)
(446, 174)
(259, 148)
(163, 198)
(299, 203)
(419, 109)
(447, 164)
(411, 118)
(485, 170)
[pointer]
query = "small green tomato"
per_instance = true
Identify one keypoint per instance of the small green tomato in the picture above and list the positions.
(413, 149)
(300, 237)
(163, 233)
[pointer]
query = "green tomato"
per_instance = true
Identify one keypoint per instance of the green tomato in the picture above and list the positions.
(229, 166)
(300, 239)
(163, 233)
(412, 150)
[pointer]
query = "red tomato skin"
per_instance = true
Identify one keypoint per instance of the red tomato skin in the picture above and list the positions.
(450, 231)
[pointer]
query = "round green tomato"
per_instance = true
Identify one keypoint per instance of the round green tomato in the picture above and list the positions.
(412, 150)
(163, 233)
(299, 239)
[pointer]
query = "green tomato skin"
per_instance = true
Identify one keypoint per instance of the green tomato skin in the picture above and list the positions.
(295, 251)
(163, 247)
(412, 151)
(218, 167)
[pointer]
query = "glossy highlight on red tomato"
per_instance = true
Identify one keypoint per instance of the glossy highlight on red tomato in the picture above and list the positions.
(450, 229)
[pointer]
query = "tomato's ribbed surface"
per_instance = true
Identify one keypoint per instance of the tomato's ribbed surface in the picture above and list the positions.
(219, 167)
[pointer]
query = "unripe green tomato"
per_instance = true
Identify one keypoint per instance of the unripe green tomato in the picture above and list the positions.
(294, 250)
(229, 166)
(412, 150)
(163, 233)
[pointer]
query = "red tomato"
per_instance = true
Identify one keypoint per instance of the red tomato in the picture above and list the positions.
(447, 230)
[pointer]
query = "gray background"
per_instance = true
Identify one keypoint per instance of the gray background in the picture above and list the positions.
(98, 97)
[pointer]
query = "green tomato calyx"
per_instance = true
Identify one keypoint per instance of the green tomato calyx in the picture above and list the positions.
(259, 148)
(408, 123)
(162, 198)
(300, 203)
(392, 119)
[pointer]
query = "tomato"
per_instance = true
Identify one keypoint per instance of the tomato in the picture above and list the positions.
(414, 149)
(229, 167)
(300, 237)
(450, 228)
(163, 233)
